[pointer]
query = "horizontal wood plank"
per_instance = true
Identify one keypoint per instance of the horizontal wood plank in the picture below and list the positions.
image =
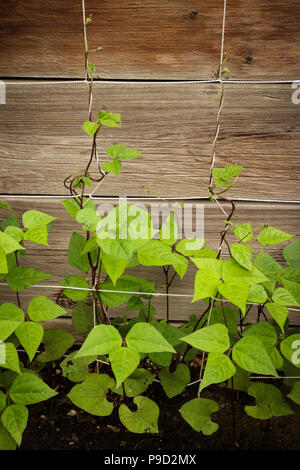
(173, 126)
(53, 260)
(150, 39)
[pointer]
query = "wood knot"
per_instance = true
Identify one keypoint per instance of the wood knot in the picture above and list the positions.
(248, 59)
(193, 14)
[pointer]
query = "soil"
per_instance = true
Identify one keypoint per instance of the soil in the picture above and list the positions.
(57, 424)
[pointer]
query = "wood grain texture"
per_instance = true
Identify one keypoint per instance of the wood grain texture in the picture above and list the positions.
(53, 260)
(173, 39)
(41, 141)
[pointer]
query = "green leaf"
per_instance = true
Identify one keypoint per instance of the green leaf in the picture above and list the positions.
(233, 271)
(56, 343)
(2, 401)
(278, 312)
(30, 336)
(109, 119)
(257, 294)
(21, 277)
(113, 167)
(229, 171)
(197, 413)
(236, 292)
(3, 261)
(83, 318)
(175, 382)
(295, 393)
(28, 389)
(212, 266)
(156, 253)
(90, 395)
(169, 230)
(242, 254)
(11, 358)
(6, 441)
(5, 205)
(123, 362)
(89, 217)
(289, 274)
(128, 284)
(191, 246)
(15, 418)
(90, 127)
(75, 281)
(291, 253)
(136, 383)
(290, 348)
(293, 288)
(212, 338)
(272, 236)
(8, 243)
(122, 249)
(134, 303)
(206, 285)
(90, 245)
(15, 232)
(250, 354)
(264, 331)
(122, 153)
(76, 259)
(33, 218)
(103, 339)
(244, 232)
(11, 317)
(218, 369)
(76, 369)
(269, 402)
(114, 267)
(37, 234)
(144, 420)
(284, 297)
(240, 380)
(146, 339)
(42, 309)
(72, 207)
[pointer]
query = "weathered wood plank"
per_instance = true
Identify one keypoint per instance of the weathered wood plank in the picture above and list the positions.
(53, 260)
(150, 39)
(173, 126)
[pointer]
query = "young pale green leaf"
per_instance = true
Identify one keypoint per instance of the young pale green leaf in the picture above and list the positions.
(3, 261)
(28, 389)
(191, 246)
(213, 338)
(269, 402)
(56, 343)
(205, 285)
(90, 127)
(103, 339)
(212, 266)
(236, 292)
(14, 418)
(30, 335)
(233, 271)
(272, 236)
(42, 309)
(175, 382)
(197, 413)
(11, 317)
(257, 294)
(244, 232)
(109, 119)
(6, 441)
(283, 297)
(229, 171)
(21, 277)
(250, 354)
(33, 218)
(142, 421)
(8, 243)
(76, 369)
(156, 253)
(15, 232)
(242, 254)
(115, 151)
(75, 281)
(278, 312)
(295, 393)
(219, 368)
(83, 318)
(290, 348)
(72, 207)
(11, 358)
(180, 264)
(90, 245)
(89, 217)
(291, 253)
(293, 288)
(114, 267)
(118, 248)
(144, 338)
(76, 259)
(123, 361)
(114, 167)
(90, 395)
(37, 234)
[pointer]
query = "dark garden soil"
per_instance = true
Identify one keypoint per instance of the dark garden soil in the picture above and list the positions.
(59, 425)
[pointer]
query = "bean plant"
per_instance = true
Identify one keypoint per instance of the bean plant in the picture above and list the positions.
(121, 356)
